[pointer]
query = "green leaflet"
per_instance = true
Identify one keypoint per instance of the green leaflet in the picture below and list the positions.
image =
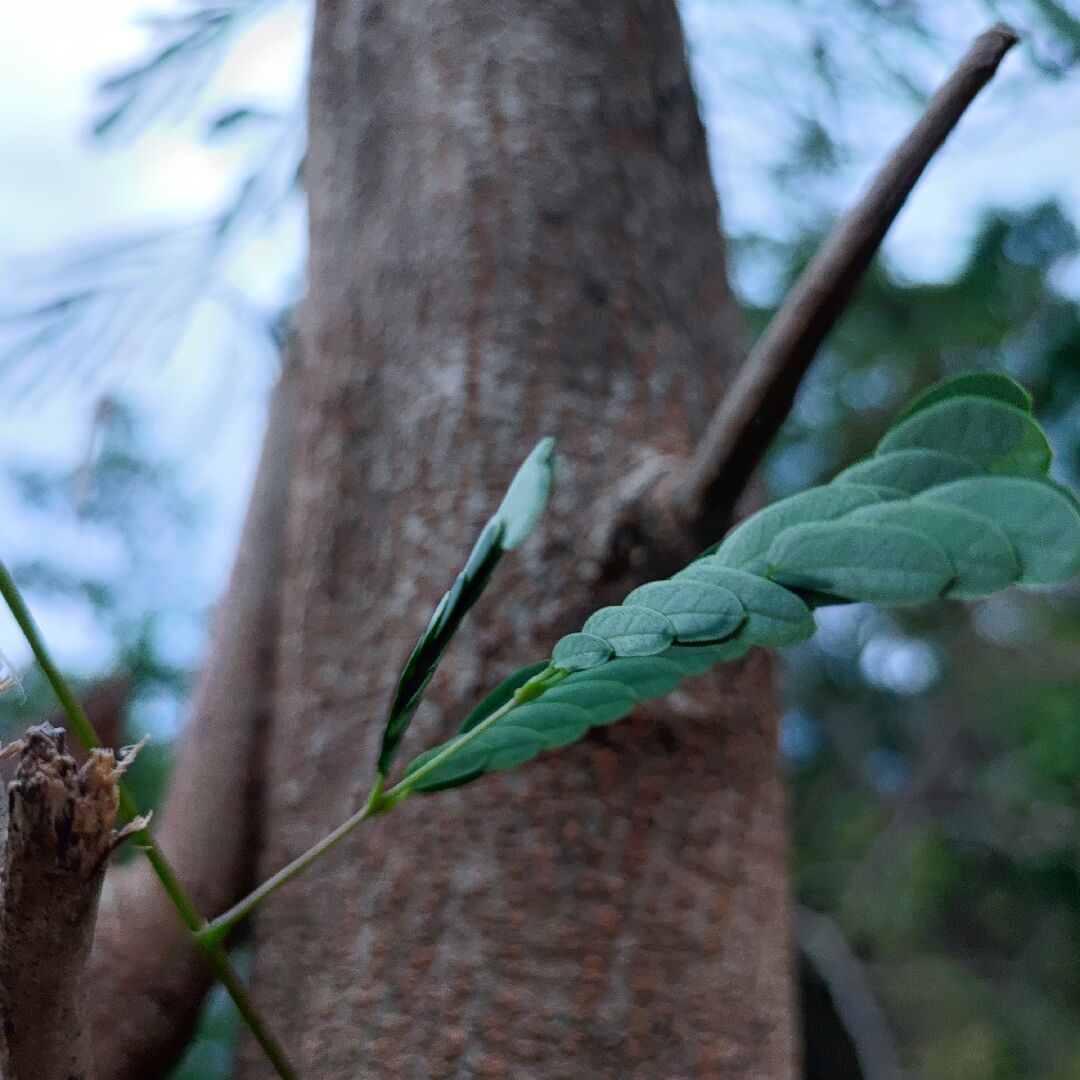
(954, 502)
(696, 659)
(622, 683)
(550, 723)
(744, 548)
(1041, 522)
(466, 765)
(606, 700)
(985, 384)
(577, 652)
(645, 677)
(775, 615)
(632, 631)
(516, 516)
(906, 472)
(876, 564)
(982, 558)
(997, 437)
(700, 613)
(1063, 490)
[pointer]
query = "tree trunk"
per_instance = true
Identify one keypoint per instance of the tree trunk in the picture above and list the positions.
(513, 233)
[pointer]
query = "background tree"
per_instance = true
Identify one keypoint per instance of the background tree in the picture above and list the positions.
(463, 258)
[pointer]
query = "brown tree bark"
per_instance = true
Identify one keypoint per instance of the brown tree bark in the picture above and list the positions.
(56, 840)
(513, 232)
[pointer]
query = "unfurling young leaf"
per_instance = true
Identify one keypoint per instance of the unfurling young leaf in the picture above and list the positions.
(511, 524)
(955, 502)
(527, 494)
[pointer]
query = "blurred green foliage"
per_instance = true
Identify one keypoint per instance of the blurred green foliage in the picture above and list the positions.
(108, 530)
(935, 754)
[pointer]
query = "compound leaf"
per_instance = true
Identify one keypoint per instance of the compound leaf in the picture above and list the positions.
(954, 502)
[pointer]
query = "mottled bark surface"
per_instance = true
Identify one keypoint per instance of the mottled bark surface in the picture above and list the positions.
(514, 232)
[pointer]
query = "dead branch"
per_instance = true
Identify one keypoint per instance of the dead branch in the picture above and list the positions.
(148, 979)
(59, 836)
(761, 396)
(823, 944)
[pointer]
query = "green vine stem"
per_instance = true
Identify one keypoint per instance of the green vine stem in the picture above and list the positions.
(185, 906)
(379, 802)
(214, 932)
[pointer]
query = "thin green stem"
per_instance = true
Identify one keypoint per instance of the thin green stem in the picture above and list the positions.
(216, 930)
(529, 692)
(227, 976)
(80, 722)
(185, 906)
(379, 802)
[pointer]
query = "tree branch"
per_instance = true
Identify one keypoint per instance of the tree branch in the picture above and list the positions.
(823, 944)
(762, 395)
(147, 976)
(59, 836)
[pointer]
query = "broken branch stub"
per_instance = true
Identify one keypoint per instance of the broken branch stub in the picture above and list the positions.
(60, 832)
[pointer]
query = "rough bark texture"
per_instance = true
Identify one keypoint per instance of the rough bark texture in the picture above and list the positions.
(514, 232)
(59, 835)
(148, 979)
